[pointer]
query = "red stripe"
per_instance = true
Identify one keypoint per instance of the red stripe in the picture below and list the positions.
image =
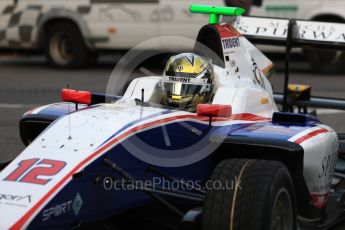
(310, 135)
(19, 224)
(320, 201)
(249, 117)
(227, 31)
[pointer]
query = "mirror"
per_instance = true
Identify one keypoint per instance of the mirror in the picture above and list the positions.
(210, 110)
(76, 96)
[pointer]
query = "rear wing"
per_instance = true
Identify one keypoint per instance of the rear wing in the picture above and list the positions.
(274, 31)
(295, 33)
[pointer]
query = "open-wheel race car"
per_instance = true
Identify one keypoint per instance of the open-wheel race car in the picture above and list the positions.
(232, 162)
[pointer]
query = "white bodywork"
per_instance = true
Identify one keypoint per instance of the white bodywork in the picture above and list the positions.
(242, 84)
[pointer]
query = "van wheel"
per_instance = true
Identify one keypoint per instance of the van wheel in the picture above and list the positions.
(255, 195)
(65, 47)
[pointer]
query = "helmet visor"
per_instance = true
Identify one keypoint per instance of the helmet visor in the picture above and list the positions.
(183, 90)
(184, 87)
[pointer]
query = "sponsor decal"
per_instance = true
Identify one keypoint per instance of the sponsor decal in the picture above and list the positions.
(187, 80)
(68, 207)
(180, 79)
(230, 43)
(15, 200)
(327, 166)
(325, 174)
(77, 204)
(277, 28)
(57, 210)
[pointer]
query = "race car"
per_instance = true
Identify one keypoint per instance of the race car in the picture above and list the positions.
(235, 162)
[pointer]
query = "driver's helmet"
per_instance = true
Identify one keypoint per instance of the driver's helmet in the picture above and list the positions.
(187, 81)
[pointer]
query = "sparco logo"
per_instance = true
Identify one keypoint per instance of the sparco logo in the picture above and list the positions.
(15, 198)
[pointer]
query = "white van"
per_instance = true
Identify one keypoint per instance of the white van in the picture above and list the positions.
(72, 32)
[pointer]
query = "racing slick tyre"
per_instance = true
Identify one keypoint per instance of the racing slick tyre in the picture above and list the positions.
(65, 47)
(255, 195)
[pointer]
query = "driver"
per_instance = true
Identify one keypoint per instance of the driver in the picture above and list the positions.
(187, 81)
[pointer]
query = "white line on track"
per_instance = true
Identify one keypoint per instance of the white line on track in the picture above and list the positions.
(329, 112)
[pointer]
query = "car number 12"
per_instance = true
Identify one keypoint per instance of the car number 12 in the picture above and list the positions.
(29, 171)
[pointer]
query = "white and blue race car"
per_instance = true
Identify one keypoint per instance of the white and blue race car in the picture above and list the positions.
(235, 163)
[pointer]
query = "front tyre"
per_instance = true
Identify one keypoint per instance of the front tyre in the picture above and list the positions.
(260, 197)
(65, 46)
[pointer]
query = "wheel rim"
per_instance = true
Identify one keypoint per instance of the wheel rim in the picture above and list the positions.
(61, 48)
(282, 216)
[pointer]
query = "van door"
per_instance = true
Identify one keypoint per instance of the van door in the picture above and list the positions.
(175, 20)
(279, 8)
(122, 23)
(6, 9)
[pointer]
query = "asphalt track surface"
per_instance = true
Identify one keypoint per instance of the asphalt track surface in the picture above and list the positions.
(27, 82)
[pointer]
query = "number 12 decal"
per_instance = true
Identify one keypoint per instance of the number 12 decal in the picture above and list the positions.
(29, 171)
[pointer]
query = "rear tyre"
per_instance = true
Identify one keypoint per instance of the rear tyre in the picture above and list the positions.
(261, 197)
(65, 47)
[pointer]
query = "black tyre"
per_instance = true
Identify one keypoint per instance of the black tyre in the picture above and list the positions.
(262, 198)
(65, 46)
